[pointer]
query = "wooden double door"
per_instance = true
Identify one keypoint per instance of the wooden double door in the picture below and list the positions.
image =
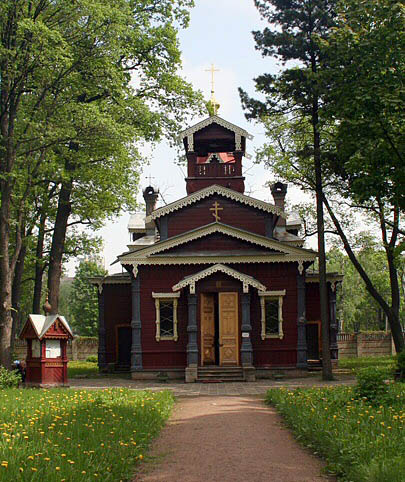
(219, 329)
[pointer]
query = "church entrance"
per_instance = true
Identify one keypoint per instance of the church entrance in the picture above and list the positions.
(219, 329)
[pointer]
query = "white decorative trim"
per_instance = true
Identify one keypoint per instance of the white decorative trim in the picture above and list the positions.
(211, 156)
(190, 143)
(330, 278)
(300, 267)
(175, 260)
(244, 278)
(135, 270)
(158, 299)
(213, 228)
(165, 295)
(100, 286)
(222, 191)
(238, 142)
(214, 119)
(272, 295)
(192, 288)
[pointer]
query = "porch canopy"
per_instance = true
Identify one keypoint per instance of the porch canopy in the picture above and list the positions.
(244, 278)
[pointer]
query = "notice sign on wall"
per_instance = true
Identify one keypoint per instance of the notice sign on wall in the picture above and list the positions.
(53, 348)
(36, 348)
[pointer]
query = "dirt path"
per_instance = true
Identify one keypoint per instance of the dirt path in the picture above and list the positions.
(228, 439)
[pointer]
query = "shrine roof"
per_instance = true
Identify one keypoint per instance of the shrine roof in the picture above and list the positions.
(42, 323)
(214, 119)
(313, 277)
(209, 191)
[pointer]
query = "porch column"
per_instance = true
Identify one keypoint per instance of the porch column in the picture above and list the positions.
(102, 360)
(333, 325)
(302, 358)
(136, 347)
(192, 346)
(246, 349)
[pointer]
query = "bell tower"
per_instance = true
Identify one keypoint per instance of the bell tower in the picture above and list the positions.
(214, 150)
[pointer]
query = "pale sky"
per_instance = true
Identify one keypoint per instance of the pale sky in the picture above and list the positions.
(219, 33)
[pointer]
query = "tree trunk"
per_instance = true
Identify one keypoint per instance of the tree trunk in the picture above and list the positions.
(16, 294)
(39, 269)
(393, 318)
(323, 292)
(6, 321)
(58, 244)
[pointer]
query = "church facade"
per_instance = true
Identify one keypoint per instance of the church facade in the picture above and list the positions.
(217, 285)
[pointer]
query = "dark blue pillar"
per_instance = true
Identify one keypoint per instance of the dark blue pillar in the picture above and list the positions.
(302, 357)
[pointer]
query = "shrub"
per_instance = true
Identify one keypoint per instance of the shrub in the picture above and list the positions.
(9, 378)
(371, 384)
(92, 359)
(400, 368)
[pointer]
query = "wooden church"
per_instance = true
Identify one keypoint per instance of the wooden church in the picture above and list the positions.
(216, 284)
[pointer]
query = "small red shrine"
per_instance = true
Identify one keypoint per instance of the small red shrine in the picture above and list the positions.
(216, 285)
(47, 337)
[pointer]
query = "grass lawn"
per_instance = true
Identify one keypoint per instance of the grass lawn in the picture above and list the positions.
(77, 435)
(84, 369)
(360, 442)
(355, 364)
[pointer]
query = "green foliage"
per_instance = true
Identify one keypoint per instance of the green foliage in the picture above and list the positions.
(92, 359)
(9, 378)
(359, 441)
(400, 365)
(383, 362)
(82, 369)
(95, 434)
(371, 385)
(83, 299)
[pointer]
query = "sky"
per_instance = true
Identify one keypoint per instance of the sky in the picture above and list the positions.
(220, 32)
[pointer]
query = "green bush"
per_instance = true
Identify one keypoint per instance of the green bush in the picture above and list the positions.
(371, 384)
(9, 378)
(92, 359)
(400, 368)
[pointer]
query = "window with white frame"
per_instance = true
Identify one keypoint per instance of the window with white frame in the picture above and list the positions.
(166, 315)
(271, 303)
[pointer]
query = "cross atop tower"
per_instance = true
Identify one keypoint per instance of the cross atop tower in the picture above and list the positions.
(213, 102)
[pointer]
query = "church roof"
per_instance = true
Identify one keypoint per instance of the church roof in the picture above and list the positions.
(216, 189)
(214, 119)
(136, 223)
(217, 227)
(244, 278)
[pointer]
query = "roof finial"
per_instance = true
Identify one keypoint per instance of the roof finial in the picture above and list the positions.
(212, 104)
(47, 306)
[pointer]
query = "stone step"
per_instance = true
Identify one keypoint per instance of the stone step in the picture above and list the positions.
(220, 374)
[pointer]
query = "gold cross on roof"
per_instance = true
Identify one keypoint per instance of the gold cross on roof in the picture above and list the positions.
(212, 70)
(216, 208)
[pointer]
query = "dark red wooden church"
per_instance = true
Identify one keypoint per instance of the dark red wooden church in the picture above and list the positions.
(216, 283)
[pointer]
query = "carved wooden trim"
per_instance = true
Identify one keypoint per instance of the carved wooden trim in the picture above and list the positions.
(222, 191)
(213, 228)
(244, 278)
(272, 295)
(166, 297)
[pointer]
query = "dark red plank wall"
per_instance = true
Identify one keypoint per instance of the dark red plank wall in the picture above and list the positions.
(233, 214)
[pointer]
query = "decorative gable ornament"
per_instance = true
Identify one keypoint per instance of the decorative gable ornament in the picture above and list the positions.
(245, 279)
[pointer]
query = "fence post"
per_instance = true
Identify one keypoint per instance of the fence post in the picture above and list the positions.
(75, 356)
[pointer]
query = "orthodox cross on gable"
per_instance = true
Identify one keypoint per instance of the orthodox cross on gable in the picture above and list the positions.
(215, 210)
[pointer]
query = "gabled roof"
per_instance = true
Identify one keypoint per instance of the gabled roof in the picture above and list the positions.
(42, 323)
(222, 191)
(208, 229)
(214, 119)
(244, 278)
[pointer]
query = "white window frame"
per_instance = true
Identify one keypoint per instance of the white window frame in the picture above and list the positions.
(272, 295)
(158, 297)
